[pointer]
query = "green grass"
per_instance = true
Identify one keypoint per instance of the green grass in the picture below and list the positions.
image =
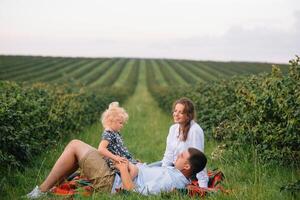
(249, 178)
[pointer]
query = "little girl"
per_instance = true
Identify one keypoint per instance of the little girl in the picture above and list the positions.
(111, 145)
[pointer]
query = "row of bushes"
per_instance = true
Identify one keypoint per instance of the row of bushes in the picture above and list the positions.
(261, 110)
(37, 116)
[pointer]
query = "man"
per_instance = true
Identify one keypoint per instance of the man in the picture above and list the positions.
(153, 180)
(93, 166)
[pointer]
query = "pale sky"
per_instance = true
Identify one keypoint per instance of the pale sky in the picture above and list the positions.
(239, 30)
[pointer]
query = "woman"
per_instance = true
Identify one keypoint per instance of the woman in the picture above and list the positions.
(183, 134)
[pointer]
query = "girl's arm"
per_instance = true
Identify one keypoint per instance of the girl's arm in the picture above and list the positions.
(104, 151)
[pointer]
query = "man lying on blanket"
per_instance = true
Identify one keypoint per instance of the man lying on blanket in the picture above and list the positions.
(150, 180)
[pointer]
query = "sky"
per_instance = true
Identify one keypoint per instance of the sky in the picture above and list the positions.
(221, 30)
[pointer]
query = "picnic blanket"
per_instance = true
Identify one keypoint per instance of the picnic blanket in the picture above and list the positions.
(214, 185)
(77, 185)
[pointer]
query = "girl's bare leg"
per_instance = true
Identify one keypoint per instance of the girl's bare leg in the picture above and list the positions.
(66, 164)
(133, 170)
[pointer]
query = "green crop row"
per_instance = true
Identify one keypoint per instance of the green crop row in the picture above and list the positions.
(85, 68)
(258, 110)
(35, 117)
(9, 64)
(201, 73)
(165, 71)
(98, 72)
(62, 72)
(36, 75)
(91, 71)
(127, 89)
(33, 67)
(185, 74)
(112, 76)
(81, 75)
(132, 79)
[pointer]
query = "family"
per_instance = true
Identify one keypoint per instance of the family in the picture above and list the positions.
(112, 166)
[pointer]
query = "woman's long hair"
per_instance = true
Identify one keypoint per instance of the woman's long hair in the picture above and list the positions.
(189, 110)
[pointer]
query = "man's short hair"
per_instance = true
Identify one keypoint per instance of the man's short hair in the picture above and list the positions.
(197, 161)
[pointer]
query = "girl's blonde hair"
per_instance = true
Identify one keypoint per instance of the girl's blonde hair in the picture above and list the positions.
(114, 111)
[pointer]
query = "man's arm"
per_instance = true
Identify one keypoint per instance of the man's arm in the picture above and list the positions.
(125, 176)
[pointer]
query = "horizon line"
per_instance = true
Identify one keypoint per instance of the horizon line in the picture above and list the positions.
(140, 57)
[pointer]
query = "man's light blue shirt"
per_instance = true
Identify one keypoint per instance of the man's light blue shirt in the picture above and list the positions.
(153, 180)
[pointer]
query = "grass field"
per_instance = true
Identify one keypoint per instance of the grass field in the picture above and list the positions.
(99, 72)
(145, 135)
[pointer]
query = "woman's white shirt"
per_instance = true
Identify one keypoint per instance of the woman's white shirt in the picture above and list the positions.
(175, 146)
